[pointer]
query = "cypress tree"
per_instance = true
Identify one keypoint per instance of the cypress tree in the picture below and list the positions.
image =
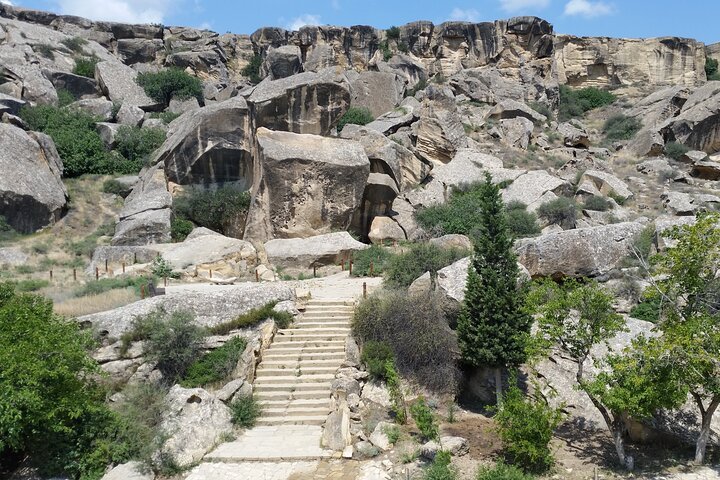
(493, 327)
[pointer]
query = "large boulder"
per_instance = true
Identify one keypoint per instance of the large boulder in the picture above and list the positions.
(32, 194)
(698, 123)
(307, 185)
(304, 253)
(207, 250)
(440, 132)
(210, 145)
(130, 471)
(379, 92)
(305, 103)
(282, 62)
(584, 252)
(193, 423)
(117, 81)
(535, 188)
(607, 184)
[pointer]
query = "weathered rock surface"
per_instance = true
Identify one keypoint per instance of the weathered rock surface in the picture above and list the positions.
(328, 249)
(129, 471)
(194, 422)
(117, 81)
(535, 188)
(517, 132)
(308, 185)
(208, 249)
(305, 103)
(697, 126)
(584, 252)
(379, 92)
(32, 195)
(607, 184)
(385, 229)
(573, 136)
(282, 62)
(12, 257)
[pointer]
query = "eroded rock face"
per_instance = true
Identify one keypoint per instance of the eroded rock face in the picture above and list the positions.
(32, 196)
(305, 103)
(698, 124)
(210, 146)
(307, 185)
(117, 81)
(379, 92)
(584, 252)
(314, 251)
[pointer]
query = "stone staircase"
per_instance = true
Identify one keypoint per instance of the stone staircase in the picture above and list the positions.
(293, 379)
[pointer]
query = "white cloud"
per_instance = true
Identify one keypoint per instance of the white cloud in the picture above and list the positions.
(6, 2)
(302, 20)
(469, 15)
(513, 6)
(587, 8)
(127, 11)
(204, 26)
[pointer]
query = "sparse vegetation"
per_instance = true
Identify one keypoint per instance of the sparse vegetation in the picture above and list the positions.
(114, 187)
(425, 420)
(375, 255)
(45, 50)
(355, 116)
(216, 365)
(621, 127)
(502, 471)
(74, 44)
(219, 210)
(574, 103)
(85, 66)
(397, 399)
(180, 228)
(252, 69)
(421, 85)
(137, 144)
(675, 150)
(393, 33)
(520, 222)
(711, 69)
(375, 355)
(597, 203)
(245, 410)
(172, 83)
(253, 317)
(405, 267)
(441, 468)
(648, 309)
(561, 211)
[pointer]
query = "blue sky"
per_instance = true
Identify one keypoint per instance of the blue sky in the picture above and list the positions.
(615, 18)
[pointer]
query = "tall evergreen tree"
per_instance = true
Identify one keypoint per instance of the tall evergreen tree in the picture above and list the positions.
(493, 328)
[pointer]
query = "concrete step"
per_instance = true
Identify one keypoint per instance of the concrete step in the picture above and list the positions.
(325, 302)
(292, 348)
(323, 324)
(294, 363)
(304, 371)
(315, 339)
(295, 411)
(287, 396)
(303, 356)
(265, 378)
(317, 331)
(326, 314)
(321, 402)
(299, 420)
(291, 387)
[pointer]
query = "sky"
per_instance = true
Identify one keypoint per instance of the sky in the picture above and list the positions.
(613, 18)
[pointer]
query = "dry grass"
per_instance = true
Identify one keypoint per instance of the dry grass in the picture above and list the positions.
(76, 307)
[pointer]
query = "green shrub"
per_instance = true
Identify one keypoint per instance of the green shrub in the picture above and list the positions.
(520, 222)
(106, 284)
(180, 229)
(397, 399)
(166, 117)
(85, 67)
(245, 410)
(31, 285)
(114, 187)
(649, 309)
(65, 98)
(711, 69)
(172, 83)
(136, 144)
(425, 420)
(421, 85)
(75, 44)
(375, 255)
(387, 53)
(173, 341)
(355, 116)
(621, 127)
(502, 471)
(417, 329)
(215, 366)
(375, 355)
(642, 246)
(597, 203)
(252, 69)
(45, 50)
(526, 427)
(561, 211)
(542, 109)
(403, 47)
(393, 33)
(404, 268)
(253, 317)
(218, 210)
(675, 150)
(441, 468)
(574, 103)
(393, 433)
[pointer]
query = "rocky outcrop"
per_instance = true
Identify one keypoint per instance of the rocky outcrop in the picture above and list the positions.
(282, 62)
(330, 249)
(604, 62)
(607, 184)
(210, 146)
(379, 92)
(440, 132)
(307, 185)
(584, 252)
(224, 255)
(697, 126)
(117, 82)
(32, 196)
(535, 188)
(130, 471)
(305, 103)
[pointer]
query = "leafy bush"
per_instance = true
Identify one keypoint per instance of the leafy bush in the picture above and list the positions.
(216, 365)
(542, 109)
(425, 420)
(574, 103)
(377, 255)
(253, 317)
(85, 67)
(397, 399)
(597, 203)
(393, 434)
(252, 69)
(417, 329)
(675, 150)
(245, 410)
(136, 144)
(441, 468)
(180, 229)
(621, 127)
(387, 53)
(520, 222)
(421, 85)
(65, 98)
(45, 50)
(106, 284)
(526, 426)
(375, 355)
(172, 83)
(173, 341)
(218, 210)
(711, 69)
(161, 268)
(75, 44)
(649, 309)
(355, 116)
(114, 187)
(561, 211)
(393, 33)
(404, 268)
(31, 285)
(502, 471)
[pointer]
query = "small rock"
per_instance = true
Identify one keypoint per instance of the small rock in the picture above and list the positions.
(457, 446)
(430, 449)
(129, 471)
(226, 393)
(366, 449)
(348, 452)
(379, 438)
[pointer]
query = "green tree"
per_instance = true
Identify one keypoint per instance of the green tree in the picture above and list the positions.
(172, 83)
(493, 328)
(690, 288)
